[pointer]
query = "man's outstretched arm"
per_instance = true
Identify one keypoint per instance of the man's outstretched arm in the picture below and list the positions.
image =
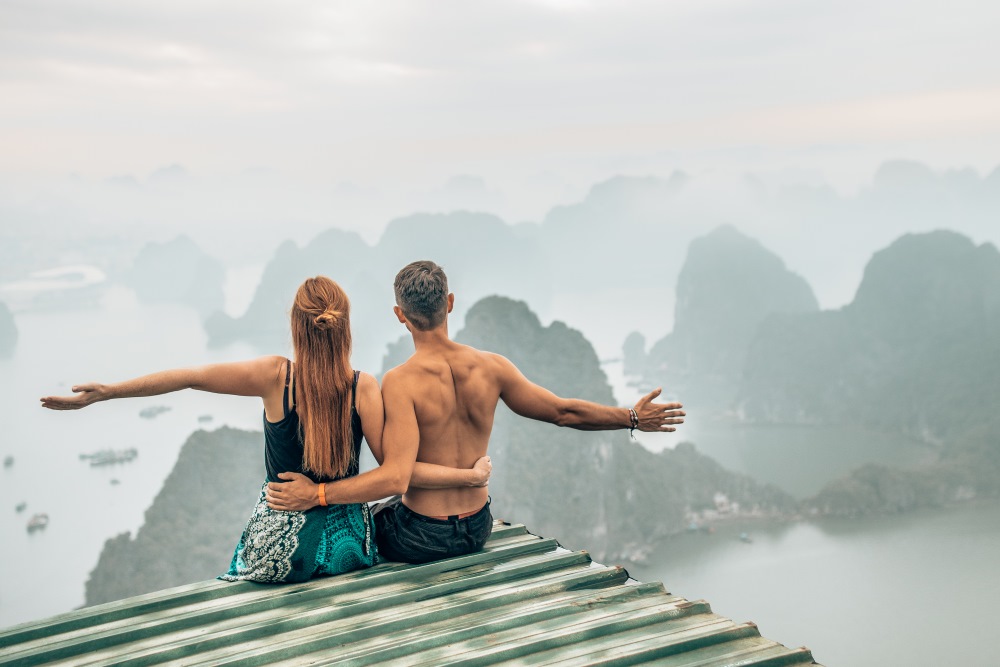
(535, 402)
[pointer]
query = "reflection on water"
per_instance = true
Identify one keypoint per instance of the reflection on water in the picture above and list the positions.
(915, 589)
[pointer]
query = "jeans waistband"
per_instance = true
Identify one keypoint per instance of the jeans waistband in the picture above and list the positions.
(448, 519)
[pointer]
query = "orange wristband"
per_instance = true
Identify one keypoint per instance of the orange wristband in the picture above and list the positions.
(322, 494)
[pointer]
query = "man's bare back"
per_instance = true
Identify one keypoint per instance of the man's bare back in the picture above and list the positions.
(454, 390)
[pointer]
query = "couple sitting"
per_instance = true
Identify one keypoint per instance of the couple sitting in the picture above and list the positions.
(428, 427)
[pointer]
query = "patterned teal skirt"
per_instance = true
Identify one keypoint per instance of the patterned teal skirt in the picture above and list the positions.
(281, 547)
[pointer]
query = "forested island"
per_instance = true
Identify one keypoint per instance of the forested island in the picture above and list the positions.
(915, 352)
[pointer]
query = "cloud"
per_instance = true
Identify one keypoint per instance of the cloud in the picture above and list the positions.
(296, 82)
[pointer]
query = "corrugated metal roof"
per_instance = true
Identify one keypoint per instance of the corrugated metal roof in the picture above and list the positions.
(523, 600)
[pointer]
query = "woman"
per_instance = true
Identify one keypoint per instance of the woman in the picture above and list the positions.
(315, 413)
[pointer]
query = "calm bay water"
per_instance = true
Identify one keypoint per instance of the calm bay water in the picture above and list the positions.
(917, 589)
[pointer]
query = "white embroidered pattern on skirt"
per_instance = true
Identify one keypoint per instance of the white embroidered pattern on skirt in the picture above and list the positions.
(265, 550)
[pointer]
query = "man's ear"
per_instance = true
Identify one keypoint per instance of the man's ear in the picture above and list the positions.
(451, 301)
(399, 314)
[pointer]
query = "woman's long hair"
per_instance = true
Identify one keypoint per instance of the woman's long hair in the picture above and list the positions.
(321, 336)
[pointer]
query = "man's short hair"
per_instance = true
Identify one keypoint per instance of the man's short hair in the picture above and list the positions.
(422, 293)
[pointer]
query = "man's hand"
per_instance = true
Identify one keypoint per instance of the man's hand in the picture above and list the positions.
(298, 493)
(86, 394)
(658, 417)
(483, 468)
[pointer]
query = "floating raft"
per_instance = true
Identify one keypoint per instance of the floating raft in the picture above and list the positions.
(524, 600)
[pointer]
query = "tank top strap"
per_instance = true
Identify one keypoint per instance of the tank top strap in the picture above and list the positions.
(354, 390)
(356, 428)
(284, 396)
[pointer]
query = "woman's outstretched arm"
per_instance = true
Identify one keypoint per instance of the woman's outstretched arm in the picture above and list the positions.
(256, 377)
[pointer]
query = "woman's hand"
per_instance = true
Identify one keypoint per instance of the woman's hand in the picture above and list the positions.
(483, 468)
(297, 493)
(88, 393)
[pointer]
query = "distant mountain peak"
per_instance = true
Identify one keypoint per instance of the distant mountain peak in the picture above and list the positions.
(729, 284)
(926, 281)
(902, 174)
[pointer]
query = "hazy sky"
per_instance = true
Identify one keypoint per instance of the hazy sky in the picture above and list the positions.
(412, 92)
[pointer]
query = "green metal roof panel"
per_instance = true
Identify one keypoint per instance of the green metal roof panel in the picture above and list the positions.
(523, 600)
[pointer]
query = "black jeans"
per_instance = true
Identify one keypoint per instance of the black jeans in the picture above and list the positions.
(403, 535)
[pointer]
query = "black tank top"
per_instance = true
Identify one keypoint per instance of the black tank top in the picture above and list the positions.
(283, 447)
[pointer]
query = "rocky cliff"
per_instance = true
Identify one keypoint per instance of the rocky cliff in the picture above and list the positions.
(728, 286)
(595, 490)
(918, 350)
(194, 523)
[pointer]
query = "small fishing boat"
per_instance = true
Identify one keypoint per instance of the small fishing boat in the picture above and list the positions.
(108, 456)
(20, 506)
(38, 522)
(153, 411)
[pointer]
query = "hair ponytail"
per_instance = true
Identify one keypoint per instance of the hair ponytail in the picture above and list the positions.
(321, 336)
(327, 319)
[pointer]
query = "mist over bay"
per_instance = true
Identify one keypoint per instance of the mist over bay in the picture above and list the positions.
(575, 317)
(787, 217)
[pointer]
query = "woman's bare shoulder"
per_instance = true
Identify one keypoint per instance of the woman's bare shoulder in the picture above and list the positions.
(368, 389)
(273, 365)
(367, 381)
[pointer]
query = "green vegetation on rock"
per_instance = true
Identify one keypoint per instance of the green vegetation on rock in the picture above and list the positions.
(599, 491)
(917, 351)
(729, 284)
(194, 523)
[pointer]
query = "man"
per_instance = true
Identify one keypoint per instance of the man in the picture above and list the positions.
(439, 408)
